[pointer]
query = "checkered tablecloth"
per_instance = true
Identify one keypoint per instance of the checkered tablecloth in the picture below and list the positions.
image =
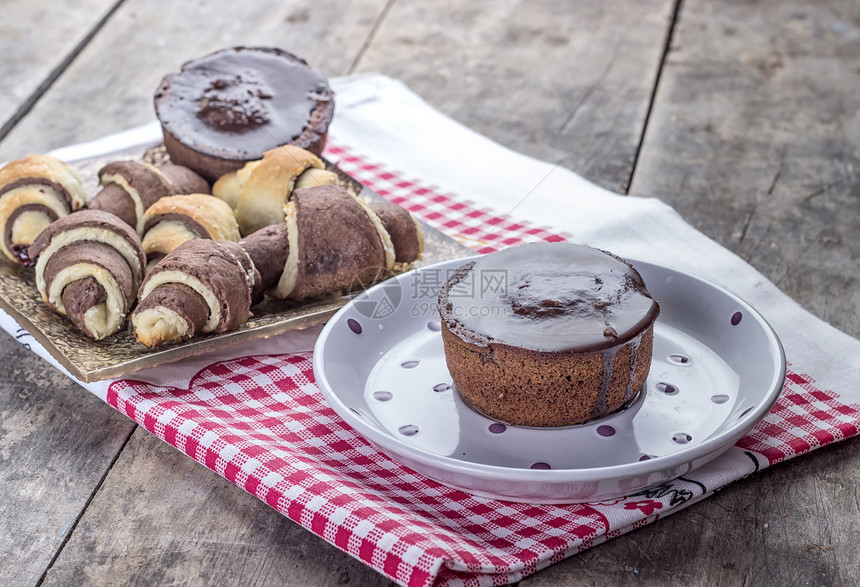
(254, 415)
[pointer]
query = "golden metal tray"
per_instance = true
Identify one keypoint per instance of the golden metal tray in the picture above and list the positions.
(121, 354)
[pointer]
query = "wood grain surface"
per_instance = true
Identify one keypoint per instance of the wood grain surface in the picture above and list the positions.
(745, 116)
(38, 44)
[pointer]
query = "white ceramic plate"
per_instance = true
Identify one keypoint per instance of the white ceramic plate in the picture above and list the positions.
(717, 369)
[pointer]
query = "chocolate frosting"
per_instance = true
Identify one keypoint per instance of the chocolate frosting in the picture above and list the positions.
(238, 103)
(214, 263)
(548, 297)
(114, 199)
(402, 228)
(268, 249)
(181, 299)
(337, 240)
(21, 250)
(88, 218)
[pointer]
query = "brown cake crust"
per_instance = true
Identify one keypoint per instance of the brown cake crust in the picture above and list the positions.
(227, 108)
(543, 388)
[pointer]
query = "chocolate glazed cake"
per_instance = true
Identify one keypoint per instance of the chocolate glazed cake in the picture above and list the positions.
(231, 106)
(547, 334)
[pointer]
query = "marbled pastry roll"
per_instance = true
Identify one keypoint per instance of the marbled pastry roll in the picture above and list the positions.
(201, 286)
(130, 187)
(172, 220)
(89, 265)
(406, 234)
(333, 237)
(269, 249)
(259, 190)
(34, 192)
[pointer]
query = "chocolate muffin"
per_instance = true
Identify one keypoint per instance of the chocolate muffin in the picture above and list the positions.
(231, 106)
(547, 334)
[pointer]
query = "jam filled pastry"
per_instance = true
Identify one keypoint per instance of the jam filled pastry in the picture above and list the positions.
(202, 286)
(34, 192)
(130, 187)
(171, 221)
(259, 190)
(89, 265)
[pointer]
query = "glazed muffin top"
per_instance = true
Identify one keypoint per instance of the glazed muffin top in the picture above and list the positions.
(555, 297)
(242, 101)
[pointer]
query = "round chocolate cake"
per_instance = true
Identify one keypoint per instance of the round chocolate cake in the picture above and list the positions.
(547, 334)
(231, 106)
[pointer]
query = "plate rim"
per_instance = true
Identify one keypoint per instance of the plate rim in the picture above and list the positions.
(710, 447)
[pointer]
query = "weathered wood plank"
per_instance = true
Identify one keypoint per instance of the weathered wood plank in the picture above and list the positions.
(162, 519)
(174, 497)
(754, 140)
(30, 58)
(567, 82)
(110, 85)
(57, 441)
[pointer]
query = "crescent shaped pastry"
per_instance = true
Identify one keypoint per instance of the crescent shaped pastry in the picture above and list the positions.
(34, 192)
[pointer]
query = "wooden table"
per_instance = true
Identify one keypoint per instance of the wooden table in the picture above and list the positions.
(745, 116)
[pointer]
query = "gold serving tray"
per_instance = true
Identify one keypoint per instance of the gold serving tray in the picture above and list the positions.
(121, 354)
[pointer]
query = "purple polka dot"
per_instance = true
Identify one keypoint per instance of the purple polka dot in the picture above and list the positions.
(682, 438)
(382, 396)
(679, 359)
(434, 326)
(540, 466)
(645, 458)
(497, 428)
(408, 430)
(606, 431)
(409, 364)
(719, 399)
(747, 411)
(354, 325)
(440, 387)
(736, 318)
(667, 388)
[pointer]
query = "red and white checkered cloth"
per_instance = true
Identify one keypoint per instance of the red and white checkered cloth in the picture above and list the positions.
(255, 416)
(260, 422)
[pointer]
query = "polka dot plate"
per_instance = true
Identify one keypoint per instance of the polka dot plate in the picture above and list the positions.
(717, 368)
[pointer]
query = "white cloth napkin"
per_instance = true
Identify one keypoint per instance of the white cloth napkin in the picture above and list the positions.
(385, 122)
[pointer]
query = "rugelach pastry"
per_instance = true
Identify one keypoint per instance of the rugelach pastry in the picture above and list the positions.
(89, 265)
(328, 239)
(172, 220)
(547, 334)
(258, 191)
(34, 192)
(406, 234)
(333, 236)
(227, 108)
(201, 286)
(130, 187)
